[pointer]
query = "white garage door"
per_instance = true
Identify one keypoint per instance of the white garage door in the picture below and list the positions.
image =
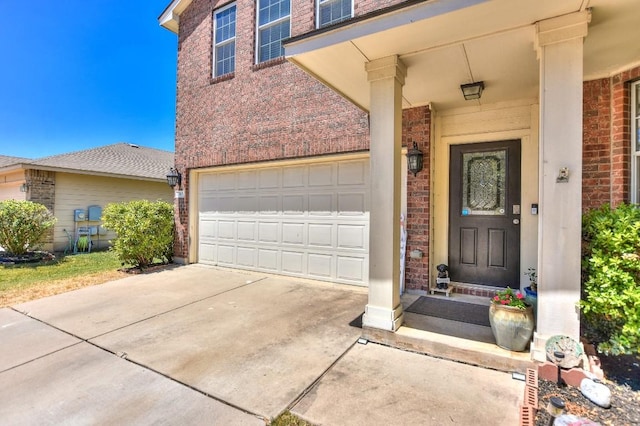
(309, 220)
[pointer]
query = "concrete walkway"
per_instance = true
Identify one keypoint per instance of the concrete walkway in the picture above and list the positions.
(205, 345)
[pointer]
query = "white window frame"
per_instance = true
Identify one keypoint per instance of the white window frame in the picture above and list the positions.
(635, 143)
(320, 3)
(217, 44)
(268, 25)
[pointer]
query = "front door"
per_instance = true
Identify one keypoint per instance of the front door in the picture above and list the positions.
(484, 214)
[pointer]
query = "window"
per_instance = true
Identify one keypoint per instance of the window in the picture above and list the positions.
(224, 30)
(635, 142)
(333, 11)
(273, 27)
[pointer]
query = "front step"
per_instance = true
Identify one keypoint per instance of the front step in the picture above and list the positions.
(449, 347)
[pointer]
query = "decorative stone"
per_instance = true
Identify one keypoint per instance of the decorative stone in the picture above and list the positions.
(595, 392)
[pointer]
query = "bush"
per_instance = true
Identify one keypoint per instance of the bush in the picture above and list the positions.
(144, 231)
(23, 225)
(611, 279)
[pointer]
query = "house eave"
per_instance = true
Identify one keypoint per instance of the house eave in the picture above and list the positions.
(87, 172)
(170, 16)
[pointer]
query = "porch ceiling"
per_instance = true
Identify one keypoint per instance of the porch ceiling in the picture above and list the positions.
(446, 43)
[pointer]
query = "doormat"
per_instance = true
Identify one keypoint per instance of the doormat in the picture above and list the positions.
(471, 313)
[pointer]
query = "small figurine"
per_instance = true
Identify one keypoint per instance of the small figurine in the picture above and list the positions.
(443, 276)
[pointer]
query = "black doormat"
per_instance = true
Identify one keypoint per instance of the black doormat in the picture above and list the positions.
(471, 313)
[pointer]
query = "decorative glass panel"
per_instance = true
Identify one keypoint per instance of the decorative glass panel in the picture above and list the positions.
(483, 183)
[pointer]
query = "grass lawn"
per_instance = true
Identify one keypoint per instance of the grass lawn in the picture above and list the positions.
(21, 283)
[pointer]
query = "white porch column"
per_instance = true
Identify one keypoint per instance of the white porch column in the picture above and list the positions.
(560, 50)
(386, 78)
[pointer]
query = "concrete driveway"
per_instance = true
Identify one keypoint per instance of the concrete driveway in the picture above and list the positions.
(204, 345)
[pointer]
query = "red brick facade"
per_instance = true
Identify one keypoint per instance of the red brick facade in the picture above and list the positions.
(274, 111)
(416, 126)
(607, 140)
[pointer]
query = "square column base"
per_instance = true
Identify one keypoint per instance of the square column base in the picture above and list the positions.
(383, 318)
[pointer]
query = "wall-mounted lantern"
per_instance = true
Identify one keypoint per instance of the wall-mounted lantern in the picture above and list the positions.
(24, 187)
(414, 159)
(472, 90)
(174, 178)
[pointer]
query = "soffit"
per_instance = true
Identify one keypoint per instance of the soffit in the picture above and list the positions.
(468, 40)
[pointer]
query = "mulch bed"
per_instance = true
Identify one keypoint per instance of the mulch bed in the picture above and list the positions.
(28, 257)
(622, 377)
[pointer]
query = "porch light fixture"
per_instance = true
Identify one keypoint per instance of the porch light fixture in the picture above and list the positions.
(174, 178)
(24, 187)
(414, 158)
(472, 90)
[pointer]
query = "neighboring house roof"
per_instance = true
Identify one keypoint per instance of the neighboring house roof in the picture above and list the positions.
(6, 160)
(120, 159)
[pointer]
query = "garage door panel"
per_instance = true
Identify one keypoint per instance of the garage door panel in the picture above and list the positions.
(246, 256)
(321, 204)
(293, 233)
(320, 234)
(293, 204)
(321, 175)
(224, 205)
(269, 204)
(351, 268)
(309, 220)
(352, 173)
(207, 253)
(352, 236)
(208, 229)
(319, 265)
(226, 254)
(227, 181)
(247, 180)
(268, 232)
(247, 204)
(294, 177)
(293, 262)
(246, 231)
(352, 204)
(268, 259)
(269, 178)
(227, 230)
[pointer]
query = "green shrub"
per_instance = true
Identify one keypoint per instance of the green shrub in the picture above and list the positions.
(23, 225)
(611, 279)
(144, 231)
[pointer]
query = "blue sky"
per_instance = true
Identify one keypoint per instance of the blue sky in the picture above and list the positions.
(80, 74)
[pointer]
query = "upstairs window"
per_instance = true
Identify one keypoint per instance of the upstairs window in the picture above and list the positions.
(333, 11)
(635, 142)
(224, 30)
(274, 25)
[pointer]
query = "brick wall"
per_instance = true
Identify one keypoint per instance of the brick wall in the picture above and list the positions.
(416, 126)
(607, 140)
(596, 144)
(42, 189)
(262, 112)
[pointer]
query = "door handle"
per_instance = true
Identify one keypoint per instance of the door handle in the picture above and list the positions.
(516, 221)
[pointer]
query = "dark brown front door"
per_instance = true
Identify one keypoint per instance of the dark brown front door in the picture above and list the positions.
(484, 213)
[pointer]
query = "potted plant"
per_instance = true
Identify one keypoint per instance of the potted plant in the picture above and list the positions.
(531, 292)
(511, 320)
